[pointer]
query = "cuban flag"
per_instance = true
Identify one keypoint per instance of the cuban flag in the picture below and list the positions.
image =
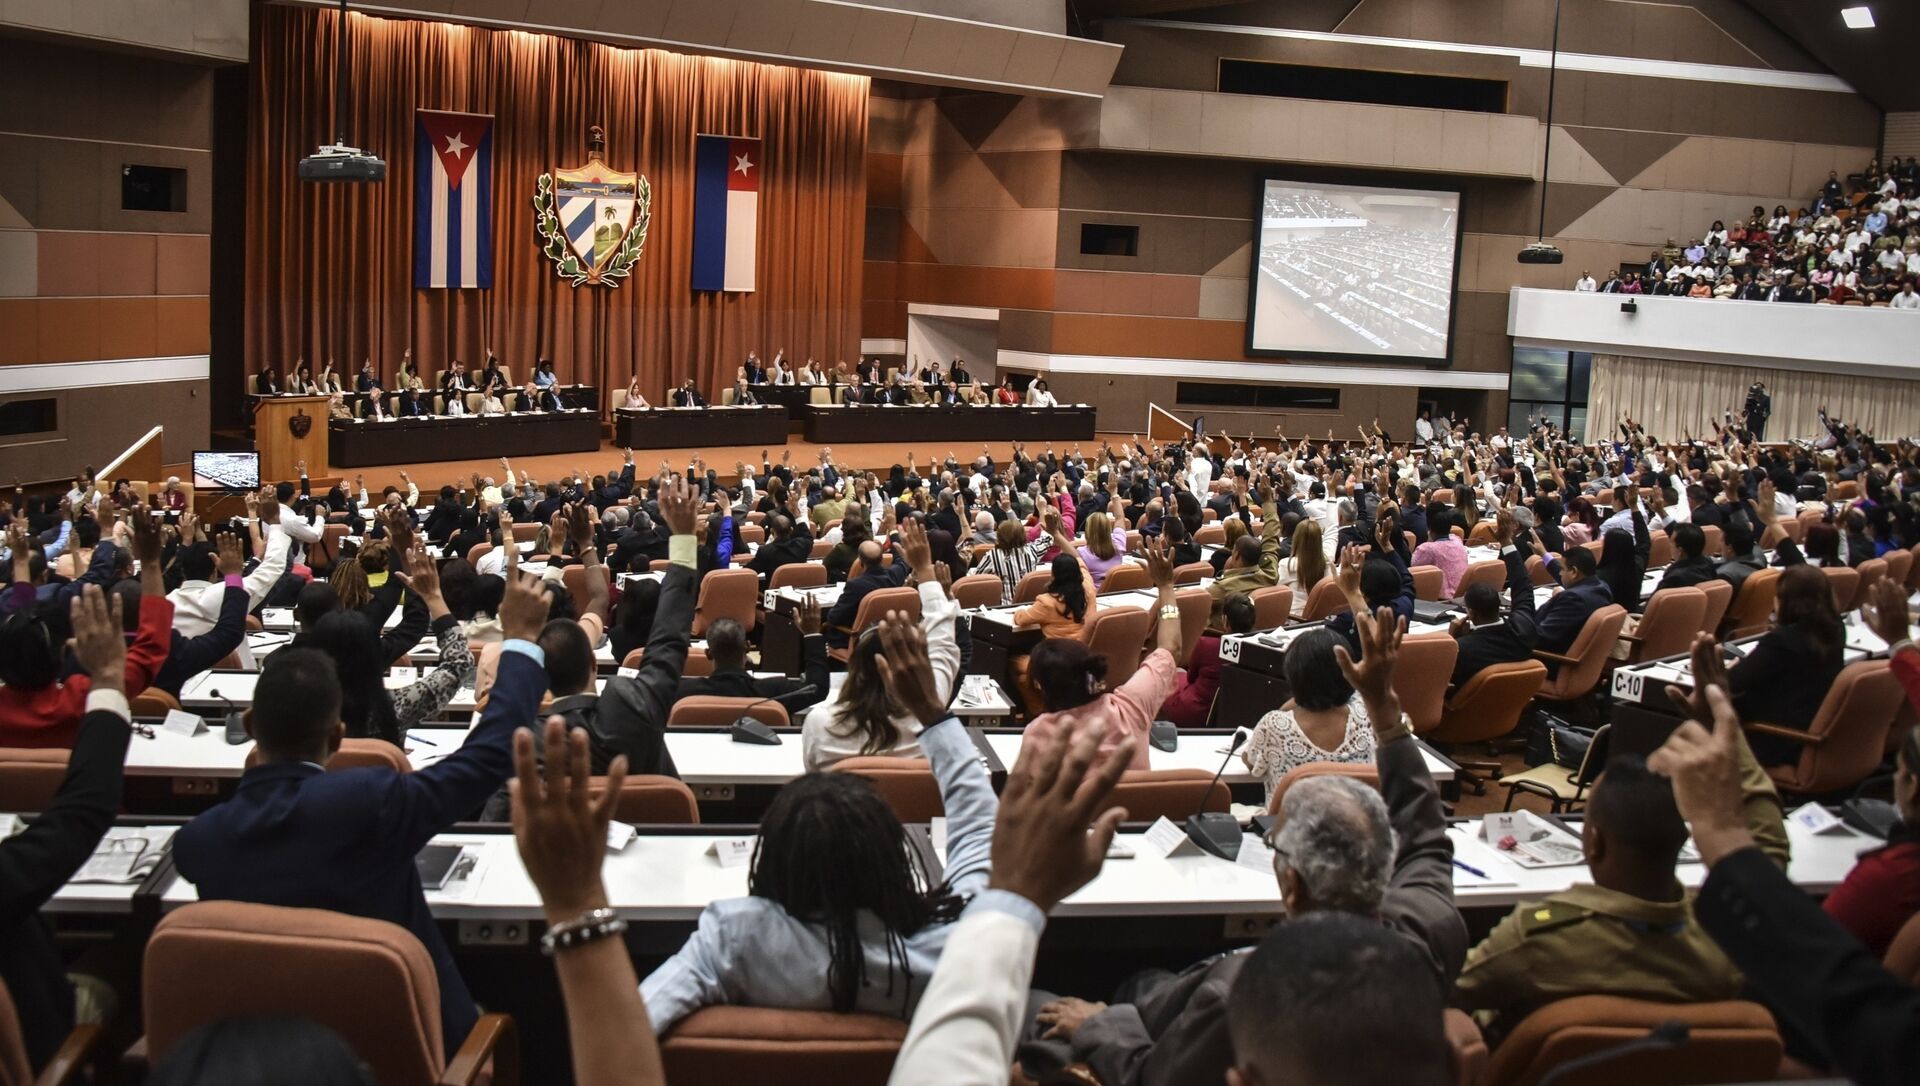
(726, 212)
(453, 200)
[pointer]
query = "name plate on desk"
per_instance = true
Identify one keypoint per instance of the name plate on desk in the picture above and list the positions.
(732, 851)
(1628, 685)
(180, 722)
(1164, 839)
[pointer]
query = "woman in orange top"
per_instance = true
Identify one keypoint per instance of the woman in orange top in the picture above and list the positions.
(1067, 605)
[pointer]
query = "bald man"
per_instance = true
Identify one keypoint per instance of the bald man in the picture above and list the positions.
(866, 575)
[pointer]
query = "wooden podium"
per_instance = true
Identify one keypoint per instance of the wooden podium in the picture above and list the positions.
(274, 421)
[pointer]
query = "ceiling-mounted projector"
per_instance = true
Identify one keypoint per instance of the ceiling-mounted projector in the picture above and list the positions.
(1539, 253)
(338, 162)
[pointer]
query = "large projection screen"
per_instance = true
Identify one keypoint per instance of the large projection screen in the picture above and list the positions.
(1354, 271)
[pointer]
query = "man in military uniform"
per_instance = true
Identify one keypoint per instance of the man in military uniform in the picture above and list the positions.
(1630, 933)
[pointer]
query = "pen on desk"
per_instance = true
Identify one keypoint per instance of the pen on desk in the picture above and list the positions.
(422, 739)
(1471, 870)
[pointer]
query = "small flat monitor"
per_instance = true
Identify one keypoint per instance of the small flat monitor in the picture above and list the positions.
(226, 470)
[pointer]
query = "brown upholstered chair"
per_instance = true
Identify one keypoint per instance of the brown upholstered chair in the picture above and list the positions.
(794, 1048)
(727, 593)
(1846, 585)
(1667, 627)
(1728, 1042)
(477, 552)
(1192, 572)
(1487, 707)
(1119, 634)
(1421, 676)
(755, 534)
(1719, 597)
(709, 711)
(1752, 609)
(874, 607)
(907, 784)
(1030, 586)
(326, 552)
(575, 578)
(1489, 572)
(1196, 608)
(1586, 659)
(1903, 954)
(153, 702)
(1848, 737)
(1481, 534)
(1466, 1049)
(370, 981)
(1148, 794)
(1429, 583)
(1272, 607)
(1211, 535)
(1537, 571)
(1127, 577)
(820, 550)
(1324, 600)
(1899, 566)
(1716, 540)
(798, 575)
(357, 754)
(1360, 771)
(1845, 490)
(526, 533)
(977, 590)
(30, 776)
(67, 1064)
(1871, 571)
(651, 798)
(1660, 549)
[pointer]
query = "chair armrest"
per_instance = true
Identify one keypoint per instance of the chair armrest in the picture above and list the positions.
(493, 1045)
(1543, 654)
(1779, 732)
(73, 1056)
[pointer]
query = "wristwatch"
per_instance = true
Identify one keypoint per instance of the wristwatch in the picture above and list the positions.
(1383, 736)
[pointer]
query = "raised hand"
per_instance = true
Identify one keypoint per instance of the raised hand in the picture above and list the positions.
(146, 540)
(1885, 611)
(99, 637)
(905, 669)
(1053, 829)
(1372, 677)
(913, 540)
(523, 609)
(560, 828)
(1709, 669)
(1702, 758)
(233, 561)
(1159, 564)
(808, 616)
(678, 507)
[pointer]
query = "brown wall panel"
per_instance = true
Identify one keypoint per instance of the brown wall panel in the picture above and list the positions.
(63, 90)
(1122, 401)
(129, 329)
(998, 288)
(69, 264)
(69, 329)
(180, 326)
(129, 264)
(21, 342)
(99, 423)
(181, 263)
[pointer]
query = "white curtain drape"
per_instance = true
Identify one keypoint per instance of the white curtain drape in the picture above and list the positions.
(1674, 398)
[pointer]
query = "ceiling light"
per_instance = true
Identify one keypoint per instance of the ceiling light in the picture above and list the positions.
(1860, 18)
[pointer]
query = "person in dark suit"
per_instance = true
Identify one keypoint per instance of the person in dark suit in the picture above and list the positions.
(790, 542)
(295, 835)
(1486, 638)
(755, 370)
(412, 405)
(1788, 673)
(1690, 567)
(1561, 620)
(688, 396)
(867, 575)
(727, 648)
(36, 862)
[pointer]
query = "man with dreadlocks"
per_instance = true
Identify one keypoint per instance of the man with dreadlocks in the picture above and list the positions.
(835, 890)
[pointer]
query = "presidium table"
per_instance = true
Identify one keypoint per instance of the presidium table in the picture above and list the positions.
(424, 439)
(699, 427)
(847, 423)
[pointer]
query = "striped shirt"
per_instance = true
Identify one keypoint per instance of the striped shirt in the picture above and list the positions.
(1012, 565)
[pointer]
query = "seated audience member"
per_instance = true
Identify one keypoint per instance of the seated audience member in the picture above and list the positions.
(295, 835)
(1305, 567)
(1690, 567)
(1566, 612)
(1819, 982)
(839, 915)
(41, 705)
(198, 602)
(188, 656)
(1619, 568)
(1253, 563)
(1192, 704)
(1071, 678)
(1370, 580)
(1632, 932)
(866, 718)
(1445, 551)
(1787, 673)
(789, 541)
(1013, 556)
(36, 862)
(1105, 547)
(1339, 847)
(1324, 721)
(1486, 636)
(727, 649)
(867, 575)
(1065, 606)
(1309, 1003)
(1740, 561)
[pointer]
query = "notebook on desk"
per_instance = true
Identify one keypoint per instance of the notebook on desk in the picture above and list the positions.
(124, 858)
(1436, 611)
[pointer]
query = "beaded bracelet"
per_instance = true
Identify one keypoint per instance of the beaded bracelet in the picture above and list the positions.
(598, 924)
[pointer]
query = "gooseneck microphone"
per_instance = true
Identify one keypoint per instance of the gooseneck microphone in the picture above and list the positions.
(749, 729)
(236, 724)
(1217, 832)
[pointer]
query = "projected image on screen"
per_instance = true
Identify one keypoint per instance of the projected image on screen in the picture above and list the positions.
(1347, 270)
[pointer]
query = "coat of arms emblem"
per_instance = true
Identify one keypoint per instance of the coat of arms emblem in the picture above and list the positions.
(300, 424)
(591, 221)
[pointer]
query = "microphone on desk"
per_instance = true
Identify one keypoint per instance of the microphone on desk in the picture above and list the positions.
(1217, 832)
(236, 722)
(747, 729)
(1666, 1035)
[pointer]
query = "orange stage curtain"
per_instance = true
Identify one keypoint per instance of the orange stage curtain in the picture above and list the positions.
(330, 266)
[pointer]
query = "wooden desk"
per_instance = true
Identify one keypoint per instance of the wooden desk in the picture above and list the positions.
(289, 429)
(468, 437)
(700, 427)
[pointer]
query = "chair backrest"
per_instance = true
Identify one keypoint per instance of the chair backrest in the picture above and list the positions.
(647, 798)
(1727, 1042)
(1846, 490)
(794, 1048)
(977, 590)
(1719, 595)
(875, 605)
(1481, 534)
(1196, 608)
(1272, 607)
(1487, 571)
(1489, 704)
(1845, 584)
(1126, 577)
(799, 575)
(1466, 1048)
(709, 711)
(1716, 540)
(1871, 571)
(1852, 722)
(1660, 549)
(907, 784)
(1667, 627)
(1149, 794)
(1752, 607)
(1537, 571)
(153, 702)
(1359, 771)
(575, 578)
(370, 981)
(1899, 565)
(1192, 572)
(753, 533)
(30, 776)
(1590, 649)
(1213, 534)
(1324, 600)
(726, 593)
(1030, 586)
(1903, 954)
(525, 532)
(1119, 634)
(1429, 583)
(820, 394)
(356, 754)
(1421, 676)
(477, 552)
(820, 550)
